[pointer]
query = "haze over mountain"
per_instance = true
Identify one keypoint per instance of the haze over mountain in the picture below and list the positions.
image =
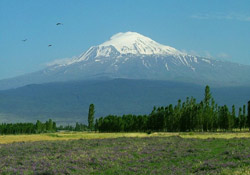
(130, 73)
(68, 102)
(131, 55)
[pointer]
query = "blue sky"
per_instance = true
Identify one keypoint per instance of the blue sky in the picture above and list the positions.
(217, 29)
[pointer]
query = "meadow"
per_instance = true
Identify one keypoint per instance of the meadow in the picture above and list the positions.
(125, 153)
(6, 139)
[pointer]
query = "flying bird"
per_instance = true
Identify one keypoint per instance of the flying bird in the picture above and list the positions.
(24, 40)
(59, 24)
(49, 45)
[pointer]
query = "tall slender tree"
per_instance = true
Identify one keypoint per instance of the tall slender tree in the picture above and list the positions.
(208, 96)
(207, 109)
(240, 116)
(244, 117)
(91, 116)
(234, 124)
(38, 126)
(248, 115)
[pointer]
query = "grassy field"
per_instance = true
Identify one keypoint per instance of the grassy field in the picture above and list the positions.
(5, 139)
(125, 153)
(128, 155)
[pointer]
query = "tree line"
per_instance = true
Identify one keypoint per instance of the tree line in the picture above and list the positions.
(39, 127)
(77, 127)
(184, 116)
(28, 128)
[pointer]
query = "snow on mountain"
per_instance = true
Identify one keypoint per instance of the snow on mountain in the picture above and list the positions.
(131, 44)
(134, 56)
(135, 43)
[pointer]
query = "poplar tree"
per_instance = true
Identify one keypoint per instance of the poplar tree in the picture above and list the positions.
(244, 117)
(206, 113)
(49, 125)
(240, 118)
(234, 124)
(207, 97)
(91, 116)
(248, 115)
(38, 126)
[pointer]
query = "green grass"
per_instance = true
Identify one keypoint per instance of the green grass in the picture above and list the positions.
(128, 155)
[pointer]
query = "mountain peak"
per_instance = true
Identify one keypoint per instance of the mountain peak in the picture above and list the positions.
(135, 43)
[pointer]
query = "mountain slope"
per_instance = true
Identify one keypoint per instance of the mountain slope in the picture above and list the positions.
(134, 56)
(68, 102)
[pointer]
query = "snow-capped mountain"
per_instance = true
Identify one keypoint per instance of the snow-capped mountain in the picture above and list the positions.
(129, 52)
(134, 56)
(127, 44)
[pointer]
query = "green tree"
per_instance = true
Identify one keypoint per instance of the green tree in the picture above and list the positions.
(207, 116)
(91, 116)
(234, 124)
(38, 126)
(96, 125)
(224, 118)
(49, 125)
(240, 117)
(248, 115)
(77, 127)
(208, 96)
(54, 126)
(244, 117)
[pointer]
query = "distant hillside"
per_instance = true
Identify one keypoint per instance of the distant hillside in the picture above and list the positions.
(68, 102)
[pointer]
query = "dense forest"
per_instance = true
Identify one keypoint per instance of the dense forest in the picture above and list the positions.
(185, 116)
(28, 128)
(77, 127)
(39, 127)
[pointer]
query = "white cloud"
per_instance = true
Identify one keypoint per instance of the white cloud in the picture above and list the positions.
(191, 52)
(221, 16)
(223, 55)
(207, 54)
(59, 61)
